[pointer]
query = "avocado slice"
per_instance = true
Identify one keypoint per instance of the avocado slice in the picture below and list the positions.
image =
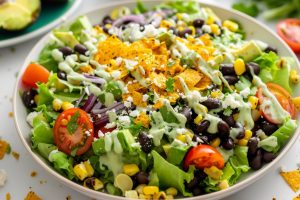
(18, 15)
(248, 52)
(67, 38)
(175, 155)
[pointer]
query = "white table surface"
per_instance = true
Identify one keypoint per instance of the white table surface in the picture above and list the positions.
(19, 180)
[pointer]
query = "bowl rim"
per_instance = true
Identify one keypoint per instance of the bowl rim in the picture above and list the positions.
(43, 29)
(214, 195)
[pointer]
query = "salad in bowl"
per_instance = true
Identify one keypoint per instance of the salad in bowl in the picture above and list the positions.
(159, 103)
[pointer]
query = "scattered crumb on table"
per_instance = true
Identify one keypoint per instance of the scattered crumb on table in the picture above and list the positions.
(4, 146)
(33, 174)
(16, 155)
(11, 114)
(68, 197)
(7, 196)
(32, 196)
(292, 178)
(43, 182)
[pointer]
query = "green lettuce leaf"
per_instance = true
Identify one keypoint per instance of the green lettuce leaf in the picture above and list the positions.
(269, 144)
(62, 163)
(45, 58)
(45, 95)
(45, 149)
(41, 132)
(165, 172)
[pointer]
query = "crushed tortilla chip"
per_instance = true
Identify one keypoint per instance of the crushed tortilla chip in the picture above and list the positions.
(135, 87)
(86, 69)
(138, 99)
(292, 178)
(297, 197)
(203, 83)
(33, 174)
(158, 104)
(32, 196)
(3, 148)
(16, 155)
(8, 196)
(143, 119)
(191, 77)
(158, 79)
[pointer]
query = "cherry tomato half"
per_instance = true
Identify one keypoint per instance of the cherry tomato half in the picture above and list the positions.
(282, 96)
(73, 130)
(289, 31)
(203, 156)
(35, 73)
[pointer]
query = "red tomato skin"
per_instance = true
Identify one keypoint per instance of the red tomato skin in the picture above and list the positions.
(63, 139)
(35, 73)
(293, 45)
(203, 156)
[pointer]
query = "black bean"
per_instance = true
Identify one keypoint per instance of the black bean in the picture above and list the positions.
(197, 191)
(227, 69)
(198, 23)
(145, 141)
(186, 111)
(66, 51)
(229, 120)
(223, 129)
(142, 178)
(107, 20)
(268, 49)
(268, 127)
(62, 75)
(256, 163)
(253, 66)
(268, 156)
(186, 31)
(241, 134)
(252, 144)
(212, 103)
(80, 49)
(231, 79)
(28, 98)
(202, 127)
(227, 143)
(199, 32)
(200, 174)
(193, 183)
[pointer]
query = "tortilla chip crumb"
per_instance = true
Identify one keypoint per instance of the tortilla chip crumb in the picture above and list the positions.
(4, 146)
(7, 196)
(16, 155)
(143, 119)
(32, 196)
(292, 178)
(43, 182)
(10, 114)
(68, 197)
(297, 197)
(33, 174)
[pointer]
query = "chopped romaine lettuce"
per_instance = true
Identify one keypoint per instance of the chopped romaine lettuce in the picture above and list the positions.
(165, 172)
(41, 132)
(45, 58)
(45, 95)
(62, 163)
(269, 144)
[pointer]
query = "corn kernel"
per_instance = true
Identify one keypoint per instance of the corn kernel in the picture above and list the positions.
(239, 66)
(67, 105)
(165, 24)
(215, 29)
(89, 168)
(235, 116)
(132, 194)
(150, 190)
(210, 20)
(172, 191)
(215, 142)
(139, 188)
(216, 94)
(223, 184)
(230, 25)
(213, 172)
(189, 134)
(80, 171)
(253, 100)
(36, 99)
(296, 102)
(198, 119)
(160, 196)
(98, 185)
(181, 137)
(243, 142)
(56, 104)
(248, 134)
(179, 16)
(130, 169)
(294, 77)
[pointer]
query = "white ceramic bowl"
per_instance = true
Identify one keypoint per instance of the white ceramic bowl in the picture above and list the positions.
(254, 30)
